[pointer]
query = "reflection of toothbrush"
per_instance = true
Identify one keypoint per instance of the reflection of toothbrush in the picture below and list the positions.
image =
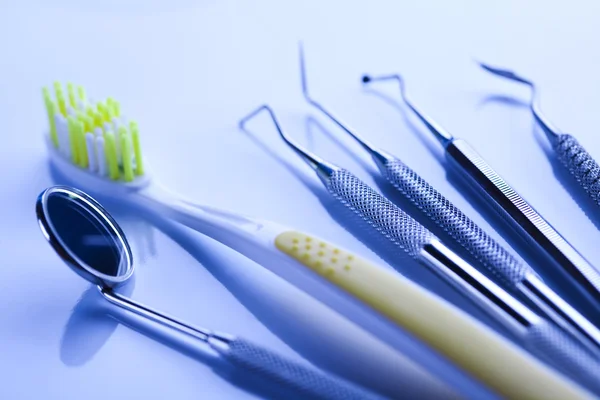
(102, 167)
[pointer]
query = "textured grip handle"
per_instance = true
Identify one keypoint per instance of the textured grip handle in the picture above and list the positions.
(305, 381)
(461, 228)
(525, 219)
(580, 163)
(556, 348)
(379, 212)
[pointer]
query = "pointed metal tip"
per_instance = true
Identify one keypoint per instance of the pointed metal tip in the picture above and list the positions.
(478, 62)
(486, 67)
(303, 82)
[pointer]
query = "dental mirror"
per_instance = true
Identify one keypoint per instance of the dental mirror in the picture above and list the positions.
(91, 242)
(84, 235)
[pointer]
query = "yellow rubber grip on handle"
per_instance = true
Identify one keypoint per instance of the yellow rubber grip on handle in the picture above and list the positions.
(477, 349)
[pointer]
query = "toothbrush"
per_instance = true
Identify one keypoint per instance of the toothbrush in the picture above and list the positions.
(491, 358)
(303, 309)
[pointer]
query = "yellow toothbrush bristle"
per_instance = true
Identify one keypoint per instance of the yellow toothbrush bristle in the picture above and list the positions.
(81, 93)
(82, 148)
(114, 106)
(126, 152)
(86, 132)
(62, 105)
(86, 121)
(71, 94)
(98, 120)
(51, 111)
(103, 111)
(137, 149)
(73, 140)
(111, 155)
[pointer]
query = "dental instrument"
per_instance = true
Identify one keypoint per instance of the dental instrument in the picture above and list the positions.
(532, 227)
(507, 270)
(569, 152)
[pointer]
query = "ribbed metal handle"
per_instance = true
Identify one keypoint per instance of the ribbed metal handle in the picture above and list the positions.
(379, 212)
(305, 381)
(580, 163)
(503, 265)
(527, 221)
(552, 345)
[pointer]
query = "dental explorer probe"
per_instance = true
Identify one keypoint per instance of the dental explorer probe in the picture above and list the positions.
(505, 200)
(508, 271)
(570, 153)
(546, 341)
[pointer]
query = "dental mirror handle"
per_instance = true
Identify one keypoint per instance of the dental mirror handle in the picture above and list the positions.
(303, 380)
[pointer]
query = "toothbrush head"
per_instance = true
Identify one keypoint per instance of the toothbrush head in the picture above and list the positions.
(92, 143)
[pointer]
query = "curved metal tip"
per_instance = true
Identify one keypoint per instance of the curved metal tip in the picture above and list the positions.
(392, 77)
(242, 122)
(505, 73)
(441, 135)
(323, 168)
(551, 131)
(369, 78)
(376, 153)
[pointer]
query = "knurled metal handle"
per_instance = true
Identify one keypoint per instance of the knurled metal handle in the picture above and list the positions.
(379, 212)
(498, 261)
(580, 163)
(524, 218)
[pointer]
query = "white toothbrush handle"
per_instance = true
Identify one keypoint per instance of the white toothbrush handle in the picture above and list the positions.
(424, 315)
(253, 238)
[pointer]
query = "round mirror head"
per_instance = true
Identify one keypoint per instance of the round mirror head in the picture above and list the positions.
(84, 235)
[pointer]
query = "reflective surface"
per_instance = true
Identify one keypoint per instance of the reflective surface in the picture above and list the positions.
(85, 236)
(221, 59)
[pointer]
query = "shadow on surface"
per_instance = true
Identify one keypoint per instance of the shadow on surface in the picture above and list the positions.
(87, 330)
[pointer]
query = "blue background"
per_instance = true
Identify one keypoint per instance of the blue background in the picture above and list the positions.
(187, 71)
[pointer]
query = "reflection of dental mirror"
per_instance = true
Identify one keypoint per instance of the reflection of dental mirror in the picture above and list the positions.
(90, 241)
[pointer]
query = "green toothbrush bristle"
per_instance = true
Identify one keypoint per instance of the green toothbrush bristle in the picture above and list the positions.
(93, 135)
